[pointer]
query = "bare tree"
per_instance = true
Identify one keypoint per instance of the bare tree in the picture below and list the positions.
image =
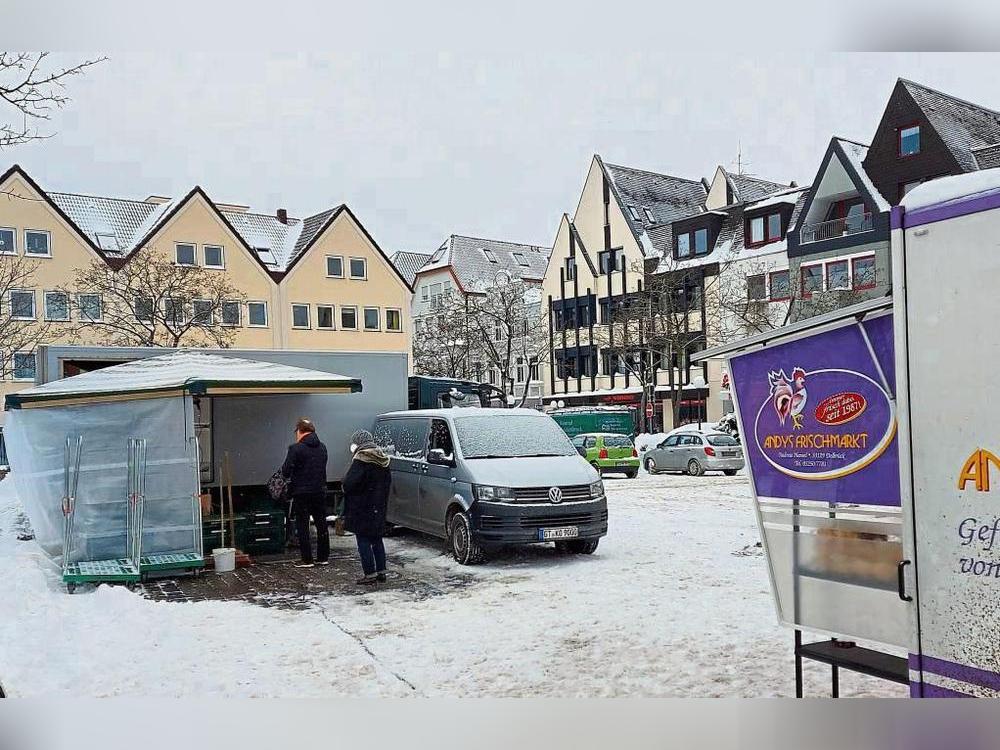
(655, 330)
(740, 303)
(21, 328)
(152, 301)
(509, 331)
(33, 89)
(441, 341)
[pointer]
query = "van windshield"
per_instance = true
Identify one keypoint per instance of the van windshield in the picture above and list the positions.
(511, 436)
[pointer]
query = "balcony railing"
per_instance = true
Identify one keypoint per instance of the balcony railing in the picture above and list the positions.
(828, 230)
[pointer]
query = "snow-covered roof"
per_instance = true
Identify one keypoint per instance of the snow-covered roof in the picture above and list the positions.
(476, 261)
(665, 197)
(951, 188)
(408, 263)
(183, 371)
(118, 226)
(964, 127)
(855, 153)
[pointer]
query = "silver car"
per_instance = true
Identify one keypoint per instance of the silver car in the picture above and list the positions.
(695, 453)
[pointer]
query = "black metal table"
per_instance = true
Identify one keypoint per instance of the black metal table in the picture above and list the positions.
(846, 655)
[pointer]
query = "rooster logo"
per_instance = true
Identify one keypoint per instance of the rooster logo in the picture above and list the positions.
(788, 395)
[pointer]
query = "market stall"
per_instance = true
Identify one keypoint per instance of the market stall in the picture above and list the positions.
(211, 427)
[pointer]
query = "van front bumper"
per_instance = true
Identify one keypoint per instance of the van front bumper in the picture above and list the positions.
(519, 523)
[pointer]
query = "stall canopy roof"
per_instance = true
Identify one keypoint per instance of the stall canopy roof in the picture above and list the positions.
(859, 310)
(181, 372)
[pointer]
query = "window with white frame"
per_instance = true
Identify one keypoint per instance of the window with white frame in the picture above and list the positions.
(533, 369)
(373, 319)
(185, 254)
(348, 318)
(634, 212)
(22, 304)
(91, 307)
(231, 312)
(8, 241)
(214, 256)
(521, 260)
(324, 317)
(37, 242)
(56, 306)
(24, 365)
(144, 308)
(257, 314)
(201, 312)
(359, 268)
(393, 319)
(424, 292)
(300, 316)
(107, 241)
(490, 255)
(335, 266)
(649, 215)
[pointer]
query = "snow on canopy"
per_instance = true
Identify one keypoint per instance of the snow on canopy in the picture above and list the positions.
(186, 371)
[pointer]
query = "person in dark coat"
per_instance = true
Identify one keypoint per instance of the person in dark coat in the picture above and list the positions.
(305, 468)
(366, 495)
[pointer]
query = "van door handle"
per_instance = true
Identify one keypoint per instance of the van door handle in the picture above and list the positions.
(901, 581)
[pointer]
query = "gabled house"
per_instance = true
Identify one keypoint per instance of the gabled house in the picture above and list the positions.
(839, 248)
(320, 283)
(467, 266)
(408, 263)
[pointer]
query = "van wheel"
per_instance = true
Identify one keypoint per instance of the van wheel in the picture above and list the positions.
(729, 472)
(464, 547)
(577, 546)
(694, 468)
(650, 465)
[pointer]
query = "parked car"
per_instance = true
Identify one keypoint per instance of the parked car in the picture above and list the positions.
(609, 453)
(485, 477)
(695, 452)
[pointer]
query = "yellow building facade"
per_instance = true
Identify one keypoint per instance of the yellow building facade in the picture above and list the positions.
(320, 283)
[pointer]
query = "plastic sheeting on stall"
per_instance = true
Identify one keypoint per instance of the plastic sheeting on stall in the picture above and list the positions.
(36, 443)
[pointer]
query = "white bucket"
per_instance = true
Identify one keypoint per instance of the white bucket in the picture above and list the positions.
(225, 559)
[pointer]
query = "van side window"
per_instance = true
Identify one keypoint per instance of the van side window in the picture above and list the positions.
(403, 438)
(441, 437)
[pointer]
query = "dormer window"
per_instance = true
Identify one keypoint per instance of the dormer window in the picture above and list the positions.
(634, 213)
(694, 242)
(908, 140)
(490, 256)
(649, 215)
(763, 229)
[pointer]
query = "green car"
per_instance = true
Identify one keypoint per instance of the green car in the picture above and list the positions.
(608, 453)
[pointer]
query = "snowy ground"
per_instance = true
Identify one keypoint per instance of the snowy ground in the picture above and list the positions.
(675, 602)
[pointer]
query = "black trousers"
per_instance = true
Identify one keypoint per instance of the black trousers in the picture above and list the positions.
(314, 505)
(372, 553)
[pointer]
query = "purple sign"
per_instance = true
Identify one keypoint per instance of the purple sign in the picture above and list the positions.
(819, 415)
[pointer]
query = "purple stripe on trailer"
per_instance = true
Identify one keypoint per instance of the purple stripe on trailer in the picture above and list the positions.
(936, 691)
(962, 672)
(969, 204)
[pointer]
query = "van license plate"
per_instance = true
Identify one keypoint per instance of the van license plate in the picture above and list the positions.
(565, 532)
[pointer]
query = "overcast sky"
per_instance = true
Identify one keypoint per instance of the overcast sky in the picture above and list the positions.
(425, 145)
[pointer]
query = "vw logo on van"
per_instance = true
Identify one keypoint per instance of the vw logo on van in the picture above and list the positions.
(555, 495)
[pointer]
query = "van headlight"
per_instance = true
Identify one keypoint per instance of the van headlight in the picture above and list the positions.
(489, 493)
(597, 489)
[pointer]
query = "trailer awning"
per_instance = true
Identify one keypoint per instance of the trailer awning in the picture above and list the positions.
(758, 340)
(181, 372)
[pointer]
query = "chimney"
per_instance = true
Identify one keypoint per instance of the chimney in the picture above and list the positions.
(793, 184)
(282, 215)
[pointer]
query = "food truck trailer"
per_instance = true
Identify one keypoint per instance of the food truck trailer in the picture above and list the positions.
(871, 445)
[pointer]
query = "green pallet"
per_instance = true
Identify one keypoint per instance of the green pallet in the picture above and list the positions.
(101, 571)
(171, 561)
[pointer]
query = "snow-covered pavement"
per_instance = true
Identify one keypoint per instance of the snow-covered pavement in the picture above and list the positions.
(675, 602)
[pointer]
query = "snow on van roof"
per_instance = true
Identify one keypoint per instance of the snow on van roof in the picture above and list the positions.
(952, 188)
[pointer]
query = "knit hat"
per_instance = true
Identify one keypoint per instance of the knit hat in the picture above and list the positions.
(363, 439)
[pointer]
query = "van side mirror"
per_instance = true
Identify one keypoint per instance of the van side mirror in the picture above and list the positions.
(581, 450)
(438, 457)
